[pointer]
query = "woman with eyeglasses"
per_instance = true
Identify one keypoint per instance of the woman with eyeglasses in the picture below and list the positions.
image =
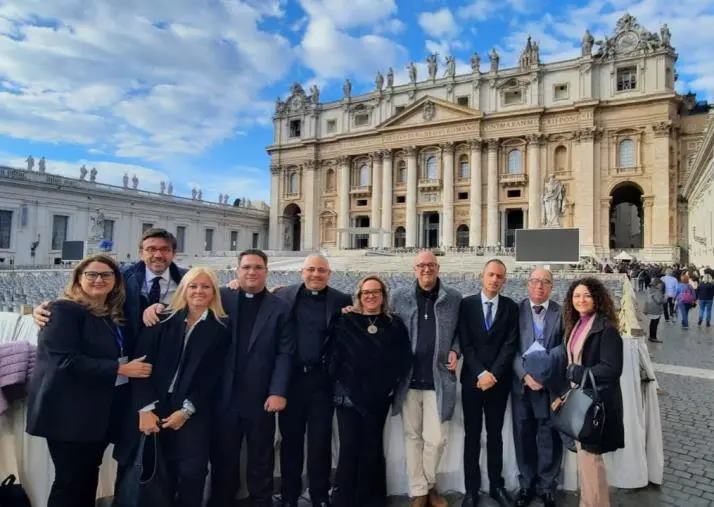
(79, 388)
(368, 354)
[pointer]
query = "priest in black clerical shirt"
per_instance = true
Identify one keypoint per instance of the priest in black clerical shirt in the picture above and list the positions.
(314, 306)
(254, 386)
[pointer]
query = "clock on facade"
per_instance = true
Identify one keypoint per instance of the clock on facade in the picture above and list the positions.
(627, 42)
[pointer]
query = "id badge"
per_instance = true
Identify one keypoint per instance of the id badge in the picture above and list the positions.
(121, 379)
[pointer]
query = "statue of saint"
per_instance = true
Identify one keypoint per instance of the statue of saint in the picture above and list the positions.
(194, 192)
(30, 163)
(588, 41)
(553, 202)
(93, 174)
(390, 78)
(379, 81)
(225, 199)
(97, 229)
(665, 35)
(450, 66)
(347, 88)
(162, 187)
(170, 189)
(315, 91)
(135, 182)
(475, 63)
(83, 172)
(125, 180)
(412, 72)
(200, 195)
(432, 65)
(495, 59)
(42, 165)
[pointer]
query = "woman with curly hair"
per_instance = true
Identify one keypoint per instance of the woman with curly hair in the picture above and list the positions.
(593, 343)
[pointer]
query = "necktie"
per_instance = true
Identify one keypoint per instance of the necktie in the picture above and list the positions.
(155, 291)
(489, 314)
(537, 309)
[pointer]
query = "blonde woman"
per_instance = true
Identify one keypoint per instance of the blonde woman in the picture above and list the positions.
(369, 353)
(187, 349)
(76, 393)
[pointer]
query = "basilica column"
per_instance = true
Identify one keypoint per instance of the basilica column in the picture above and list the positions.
(344, 217)
(274, 227)
(308, 217)
(411, 196)
(387, 179)
(475, 218)
(447, 225)
(376, 219)
(585, 194)
(662, 231)
(534, 182)
(647, 205)
(492, 194)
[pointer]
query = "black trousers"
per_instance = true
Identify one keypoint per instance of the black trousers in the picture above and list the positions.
(653, 328)
(258, 428)
(539, 449)
(361, 478)
(187, 475)
(478, 405)
(669, 309)
(76, 472)
(310, 408)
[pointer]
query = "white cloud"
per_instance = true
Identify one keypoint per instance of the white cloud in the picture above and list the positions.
(439, 24)
(148, 78)
(390, 26)
(350, 13)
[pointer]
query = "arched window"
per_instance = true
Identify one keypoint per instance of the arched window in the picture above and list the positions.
(514, 162)
(561, 159)
(431, 170)
(400, 237)
(464, 170)
(293, 184)
(626, 153)
(364, 176)
(462, 236)
(330, 180)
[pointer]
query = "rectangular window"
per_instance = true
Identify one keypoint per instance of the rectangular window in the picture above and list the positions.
(146, 226)
(331, 126)
(180, 238)
(59, 231)
(234, 241)
(463, 101)
(361, 202)
(5, 228)
(626, 79)
(512, 97)
(295, 128)
(561, 92)
(513, 194)
(108, 230)
(463, 196)
(400, 199)
(399, 109)
(361, 120)
(208, 245)
(256, 239)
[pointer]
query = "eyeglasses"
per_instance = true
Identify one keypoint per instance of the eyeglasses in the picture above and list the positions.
(321, 271)
(93, 275)
(162, 249)
(375, 292)
(252, 267)
(539, 281)
(426, 265)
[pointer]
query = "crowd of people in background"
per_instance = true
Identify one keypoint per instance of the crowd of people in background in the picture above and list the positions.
(151, 350)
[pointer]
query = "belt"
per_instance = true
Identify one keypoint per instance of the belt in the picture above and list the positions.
(309, 368)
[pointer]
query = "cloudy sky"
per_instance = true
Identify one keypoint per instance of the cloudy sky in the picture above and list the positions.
(183, 90)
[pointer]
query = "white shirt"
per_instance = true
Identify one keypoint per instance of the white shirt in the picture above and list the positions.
(494, 306)
(167, 287)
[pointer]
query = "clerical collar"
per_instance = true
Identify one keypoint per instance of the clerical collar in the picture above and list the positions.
(251, 295)
(310, 292)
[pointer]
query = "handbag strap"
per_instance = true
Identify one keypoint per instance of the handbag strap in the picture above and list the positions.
(9, 481)
(588, 375)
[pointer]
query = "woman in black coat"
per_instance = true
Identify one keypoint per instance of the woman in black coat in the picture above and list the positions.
(368, 355)
(186, 349)
(594, 343)
(77, 393)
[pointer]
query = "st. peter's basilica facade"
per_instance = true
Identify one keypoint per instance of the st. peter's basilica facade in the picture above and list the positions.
(451, 160)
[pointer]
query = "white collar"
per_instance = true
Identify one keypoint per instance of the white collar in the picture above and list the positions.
(485, 300)
(204, 316)
(150, 275)
(544, 305)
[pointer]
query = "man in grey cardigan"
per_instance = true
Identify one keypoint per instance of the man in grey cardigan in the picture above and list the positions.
(427, 398)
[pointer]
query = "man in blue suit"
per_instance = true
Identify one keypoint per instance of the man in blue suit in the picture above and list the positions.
(539, 450)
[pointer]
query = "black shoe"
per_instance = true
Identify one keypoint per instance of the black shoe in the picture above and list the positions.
(655, 340)
(503, 499)
(524, 497)
(470, 500)
(548, 499)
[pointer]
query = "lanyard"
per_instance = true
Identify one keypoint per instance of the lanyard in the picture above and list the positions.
(118, 337)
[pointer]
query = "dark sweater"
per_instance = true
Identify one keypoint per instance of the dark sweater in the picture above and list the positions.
(705, 291)
(368, 367)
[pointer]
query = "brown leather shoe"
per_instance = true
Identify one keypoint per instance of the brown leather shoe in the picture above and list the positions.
(436, 500)
(419, 501)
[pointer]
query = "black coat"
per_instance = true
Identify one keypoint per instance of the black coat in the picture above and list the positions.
(199, 371)
(602, 353)
(271, 349)
(72, 390)
(492, 349)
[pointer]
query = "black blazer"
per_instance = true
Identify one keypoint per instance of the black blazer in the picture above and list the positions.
(492, 349)
(72, 389)
(199, 370)
(271, 350)
(602, 353)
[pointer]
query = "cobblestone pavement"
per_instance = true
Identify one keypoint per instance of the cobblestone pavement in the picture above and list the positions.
(687, 409)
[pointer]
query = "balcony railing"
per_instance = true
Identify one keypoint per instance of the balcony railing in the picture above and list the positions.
(509, 179)
(361, 190)
(427, 183)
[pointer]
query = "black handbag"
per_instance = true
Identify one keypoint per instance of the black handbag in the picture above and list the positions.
(146, 483)
(581, 413)
(13, 495)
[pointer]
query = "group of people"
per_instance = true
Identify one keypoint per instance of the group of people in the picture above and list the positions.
(152, 349)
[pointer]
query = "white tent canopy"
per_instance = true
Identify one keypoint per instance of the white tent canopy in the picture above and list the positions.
(623, 256)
